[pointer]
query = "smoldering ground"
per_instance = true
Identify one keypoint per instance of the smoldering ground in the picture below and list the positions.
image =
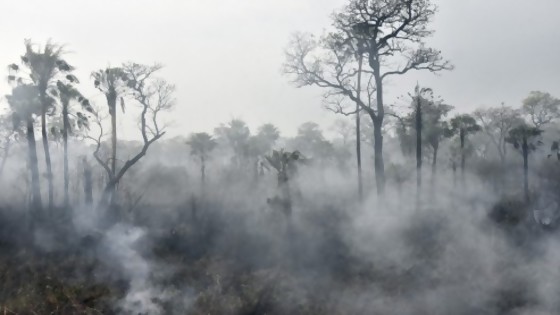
(223, 249)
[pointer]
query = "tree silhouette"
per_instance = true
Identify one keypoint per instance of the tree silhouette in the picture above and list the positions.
(25, 102)
(236, 134)
(525, 139)
(45, 65)
(153, 95)
(496, 122)
(67, 93)
(114, 83)
(389, 31)
(285, 164)
(541, 107)
(201, 145)
(463, 125)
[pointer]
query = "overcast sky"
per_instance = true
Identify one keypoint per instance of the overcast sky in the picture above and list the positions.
(225, 55)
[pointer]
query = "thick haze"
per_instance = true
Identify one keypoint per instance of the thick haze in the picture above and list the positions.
(225, 55)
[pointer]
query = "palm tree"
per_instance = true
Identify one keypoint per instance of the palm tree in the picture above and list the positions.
(525, 139)
(285, 164)
(201, 145)
(45, 66)
(261, 144)
(67, 93)
(463, 125)
(113, 82)
(269, 134)
(236, 134)
(24, 103)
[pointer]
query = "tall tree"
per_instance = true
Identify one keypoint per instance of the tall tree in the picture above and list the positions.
(268, 134)
(8, 133)
(496, 122)
(153, 96)
(201, 145)
(236, 134)
(525, 139)
(541, 108)
(67, 93)
(425, 124)
(261, 144)
(285, 164)
(45, 66)
(310, 139)
(392, 31)
(25, 103)
(113, 82)
(419, 97)
(435, 127)
(463, 125)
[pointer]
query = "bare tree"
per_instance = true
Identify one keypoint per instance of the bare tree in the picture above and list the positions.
(541, 107)
(113, 83)
(393, 34)
(153, 96)
(496, 122)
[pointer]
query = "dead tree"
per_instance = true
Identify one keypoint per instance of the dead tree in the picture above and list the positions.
(393, 33)
(153, 95)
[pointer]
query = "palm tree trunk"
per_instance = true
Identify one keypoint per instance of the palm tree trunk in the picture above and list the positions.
(462, 139)
(5, 156)
(65, 140)
(202, 170)
(34, 168)
(88, 183)
(113, 108)
(434, 161)
(418, 145)
(525, 149)
(434, 167)
(454, 168)
(47, 151)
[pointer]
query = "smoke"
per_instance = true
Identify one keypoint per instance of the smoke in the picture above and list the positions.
(221, 248)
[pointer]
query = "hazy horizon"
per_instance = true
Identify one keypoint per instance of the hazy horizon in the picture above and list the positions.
(225, 56)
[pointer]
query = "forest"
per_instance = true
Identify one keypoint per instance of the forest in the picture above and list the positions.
(406, 205)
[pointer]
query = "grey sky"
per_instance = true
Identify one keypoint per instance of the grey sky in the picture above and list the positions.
(225, 55)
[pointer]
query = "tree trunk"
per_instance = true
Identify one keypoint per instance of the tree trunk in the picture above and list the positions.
(378, 155)
(107, 195)
(65, 140)
(525, 149)
(34, 168)
(358, 131)
(462, 138)
(285, 195)
(378, 121)
(88, 184)
(454, 168)
(418, 145)
(5, 155)
(113, 108)
(434, 160)
(435, 147)
(202, 170)
(47, 150)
